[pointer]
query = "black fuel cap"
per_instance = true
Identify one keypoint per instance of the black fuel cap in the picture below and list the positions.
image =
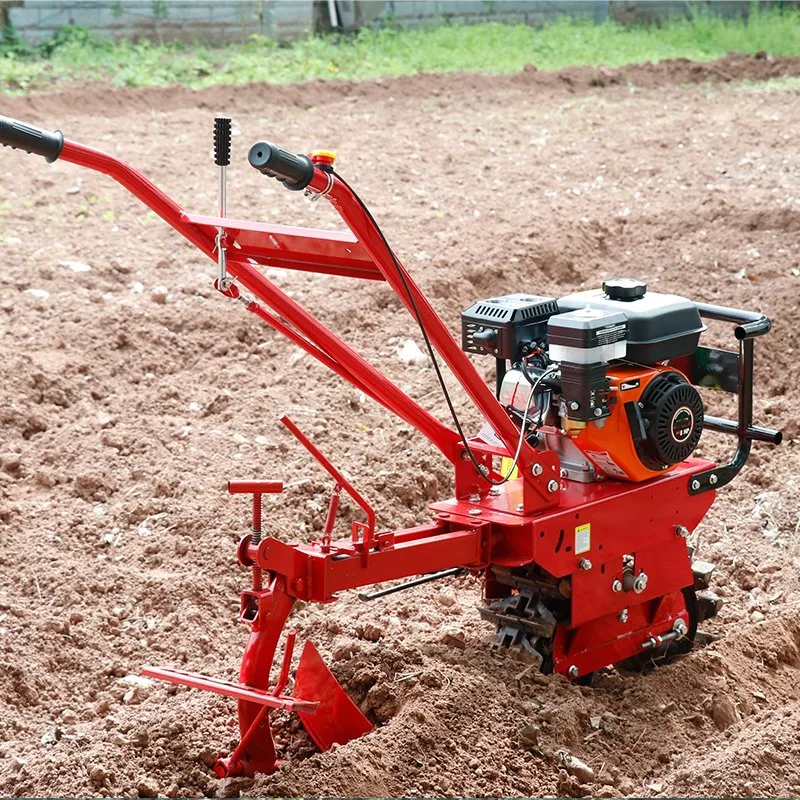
(624, 289)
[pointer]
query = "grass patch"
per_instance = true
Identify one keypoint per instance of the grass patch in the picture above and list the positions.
(75, 55)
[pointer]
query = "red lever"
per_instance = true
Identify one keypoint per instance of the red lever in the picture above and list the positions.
(255, 487)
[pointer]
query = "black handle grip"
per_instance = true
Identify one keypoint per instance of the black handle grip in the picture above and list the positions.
(31, 139)
(294, 170)
(222, 141)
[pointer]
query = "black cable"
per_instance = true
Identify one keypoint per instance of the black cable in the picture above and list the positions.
(478, 467)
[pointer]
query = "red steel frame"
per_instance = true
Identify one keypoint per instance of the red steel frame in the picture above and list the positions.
(529, 520)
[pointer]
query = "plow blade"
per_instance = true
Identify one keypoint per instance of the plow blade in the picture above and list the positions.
(336, 719)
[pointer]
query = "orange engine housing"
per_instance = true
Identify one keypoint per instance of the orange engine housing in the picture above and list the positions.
(611, 448)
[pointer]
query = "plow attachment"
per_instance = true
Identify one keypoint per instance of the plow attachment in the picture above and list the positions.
(323, 706)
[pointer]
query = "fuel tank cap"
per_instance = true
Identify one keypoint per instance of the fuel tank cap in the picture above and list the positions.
(624, 289)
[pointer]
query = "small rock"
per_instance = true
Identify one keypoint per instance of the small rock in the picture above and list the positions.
(657, 788)
(529, 736)
(453, 637)
(75, 266)
(239, 438)
(147, 788)
(17, 763)
(133, 696)
(159, 294)
(39, 294)
(50, 737)
(118, 739)
(68, 716)
(372, 633)
(208, 757)
(446, 597)
(182, 547)
(756, 617)
(11, 462)
(410, 353)
(98, 776)
(575, 767)
(723, 711)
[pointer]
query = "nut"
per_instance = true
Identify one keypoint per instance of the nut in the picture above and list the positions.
(713, 479)
(617, 585)
(552, 486)
(584, 564)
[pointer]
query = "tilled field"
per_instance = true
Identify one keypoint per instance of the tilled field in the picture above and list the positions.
(131, 391)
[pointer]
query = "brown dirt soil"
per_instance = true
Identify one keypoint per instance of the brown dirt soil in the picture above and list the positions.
(125, 407)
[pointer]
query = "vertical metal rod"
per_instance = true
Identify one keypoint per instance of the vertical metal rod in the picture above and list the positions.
(222, 255)
(257, 584)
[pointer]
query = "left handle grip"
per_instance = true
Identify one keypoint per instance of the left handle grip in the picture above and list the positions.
(31, 139)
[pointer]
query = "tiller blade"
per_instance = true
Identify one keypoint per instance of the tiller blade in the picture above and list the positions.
(336, 719)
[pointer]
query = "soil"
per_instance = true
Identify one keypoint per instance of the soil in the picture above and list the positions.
(132, 391)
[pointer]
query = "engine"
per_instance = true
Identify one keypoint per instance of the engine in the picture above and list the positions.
(593, 375)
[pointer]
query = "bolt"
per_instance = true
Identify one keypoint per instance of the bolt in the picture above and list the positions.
(598, 412)
(494, 491)
(623, 615)
(640, 583)
(573, 672)
(617, 585)
(520, 507)
(584, 564)
(679, 626)
(552, 486)
(564, 473)
(475, 512)
(574, 405)
(682, 531)
(713, 479)
(695, 485)
(475, 498)
(536, 469)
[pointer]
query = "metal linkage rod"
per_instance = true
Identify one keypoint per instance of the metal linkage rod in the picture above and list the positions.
(434, 576)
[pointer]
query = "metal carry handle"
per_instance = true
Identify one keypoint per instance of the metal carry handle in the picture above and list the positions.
(749, 325)
(22, 136)
(294, 170)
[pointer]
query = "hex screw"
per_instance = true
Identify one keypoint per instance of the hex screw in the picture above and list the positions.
(617, 585)
(474, 512)
(695, 485)
(682, 531)
(475, 498)
(552, 486)
(536, 469)
(574, 405)
(713, 479)
(584, 564)
(574, 672)
(598, 412)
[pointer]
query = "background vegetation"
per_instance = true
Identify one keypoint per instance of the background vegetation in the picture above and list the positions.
(75, 54)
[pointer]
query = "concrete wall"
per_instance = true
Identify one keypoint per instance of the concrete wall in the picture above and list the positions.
(231, 20)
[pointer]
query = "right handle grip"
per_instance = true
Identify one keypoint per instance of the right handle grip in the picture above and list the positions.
(31, 139)
(294, 170)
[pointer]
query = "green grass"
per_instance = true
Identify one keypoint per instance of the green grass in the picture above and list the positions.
(74, 54)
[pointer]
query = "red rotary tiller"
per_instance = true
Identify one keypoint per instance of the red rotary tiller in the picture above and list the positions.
(574, 502)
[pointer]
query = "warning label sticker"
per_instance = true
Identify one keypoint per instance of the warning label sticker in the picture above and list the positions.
(583, 538)
(607, 464)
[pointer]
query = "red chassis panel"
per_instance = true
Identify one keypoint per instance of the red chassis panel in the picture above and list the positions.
(462, 537)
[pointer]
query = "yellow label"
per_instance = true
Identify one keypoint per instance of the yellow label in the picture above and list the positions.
(583, 538)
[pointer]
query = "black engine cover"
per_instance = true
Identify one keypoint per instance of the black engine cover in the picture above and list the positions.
(672, 410)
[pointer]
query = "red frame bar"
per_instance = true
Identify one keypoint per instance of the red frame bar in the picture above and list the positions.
(361, 253)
